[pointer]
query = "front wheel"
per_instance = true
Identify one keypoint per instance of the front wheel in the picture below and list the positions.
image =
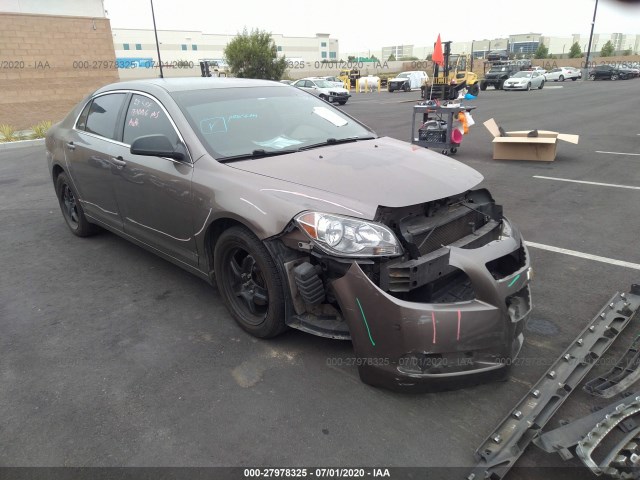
(528, 87)
(541, 85)
(72, 210)
(574, 79)
(483, 86)
(499, 85)
(249, 282)
(592, 76)
(561, 78)
(406, 87)
(614, 77)
(342, 102)
(391, 90)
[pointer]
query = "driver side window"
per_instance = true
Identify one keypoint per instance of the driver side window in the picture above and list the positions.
(146, 117)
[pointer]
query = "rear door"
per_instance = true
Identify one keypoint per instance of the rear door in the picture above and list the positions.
(90, 150)
(154, 193)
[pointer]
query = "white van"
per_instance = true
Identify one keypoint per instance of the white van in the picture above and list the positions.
(408, 81)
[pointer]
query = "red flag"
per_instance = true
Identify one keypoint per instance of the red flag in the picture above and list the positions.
(437, 56)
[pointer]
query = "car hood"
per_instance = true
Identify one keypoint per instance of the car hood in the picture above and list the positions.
(364, 175)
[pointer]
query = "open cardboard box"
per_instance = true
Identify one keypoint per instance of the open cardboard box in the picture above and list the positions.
(517, 146)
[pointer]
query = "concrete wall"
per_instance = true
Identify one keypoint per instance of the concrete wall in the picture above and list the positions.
(52, 62)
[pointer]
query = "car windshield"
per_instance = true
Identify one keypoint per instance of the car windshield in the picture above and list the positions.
(232, 122)
(498, 69)
(522, 75)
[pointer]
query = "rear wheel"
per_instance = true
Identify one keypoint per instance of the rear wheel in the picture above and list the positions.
(483, 86)
(474, 90)
(406, 87)
(390, 90)
(249, 282)
(71, 208)
(342, 102)
(574, 79)
(614, 76)
(499, 85)
(561, 78)
(592, 76)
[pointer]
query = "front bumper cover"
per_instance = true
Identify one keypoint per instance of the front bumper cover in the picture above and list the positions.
(410, 346)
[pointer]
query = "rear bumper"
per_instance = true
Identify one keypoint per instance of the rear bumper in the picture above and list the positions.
(410, 346)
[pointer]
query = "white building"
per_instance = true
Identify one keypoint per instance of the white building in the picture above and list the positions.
(191, 46)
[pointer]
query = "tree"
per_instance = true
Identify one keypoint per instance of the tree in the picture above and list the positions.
(351, 58)
(607, 49)
(627, 52)
(392, 58)
(575, 51)
(542, 51)
(254, 55)
(430, 57)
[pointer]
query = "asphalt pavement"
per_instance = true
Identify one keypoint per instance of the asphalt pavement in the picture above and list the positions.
(110, 356)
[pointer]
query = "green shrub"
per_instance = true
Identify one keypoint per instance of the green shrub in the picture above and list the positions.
(8, 133)
(40, 130)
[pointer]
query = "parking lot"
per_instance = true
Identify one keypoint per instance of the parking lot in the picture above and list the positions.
(112, 356)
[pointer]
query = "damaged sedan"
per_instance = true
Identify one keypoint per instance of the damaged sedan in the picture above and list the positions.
(303, 217)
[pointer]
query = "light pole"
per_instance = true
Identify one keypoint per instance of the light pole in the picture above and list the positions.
(593, 23)
(155, 31)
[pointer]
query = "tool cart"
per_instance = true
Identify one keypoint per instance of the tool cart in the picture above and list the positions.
(432, 126)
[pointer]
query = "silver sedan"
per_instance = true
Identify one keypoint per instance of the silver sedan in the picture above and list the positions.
(525, 80)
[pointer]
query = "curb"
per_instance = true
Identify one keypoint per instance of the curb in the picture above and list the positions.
(21, 144)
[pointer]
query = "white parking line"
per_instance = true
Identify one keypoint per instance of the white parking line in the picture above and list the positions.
(619, 153)
(631, 187)
(588, 256)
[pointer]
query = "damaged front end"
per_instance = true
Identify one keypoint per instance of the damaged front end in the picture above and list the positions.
(445, 310)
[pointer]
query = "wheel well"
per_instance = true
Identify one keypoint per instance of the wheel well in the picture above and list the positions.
(57, 170)
(213, 233)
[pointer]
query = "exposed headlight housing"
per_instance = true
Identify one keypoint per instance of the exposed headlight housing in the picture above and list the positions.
(348, 237)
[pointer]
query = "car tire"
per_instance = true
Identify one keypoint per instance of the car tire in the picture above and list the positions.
(528, 87)
(249, 282)
(561, 78)
(499, 85)
(391, 90)
(483, 86)
(614, 77)
(541, 85)
(72, 210)
(574, 79)
(406, 87)
(342, 102)
(323, 97)
(474, 90)
(592, 76)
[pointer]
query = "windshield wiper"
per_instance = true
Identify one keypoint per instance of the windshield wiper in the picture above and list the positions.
(258, 153)
(335, 141)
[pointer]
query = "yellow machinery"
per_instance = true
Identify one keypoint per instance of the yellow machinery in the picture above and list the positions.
(453, 77)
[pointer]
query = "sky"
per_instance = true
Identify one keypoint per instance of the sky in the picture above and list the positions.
(361, 25)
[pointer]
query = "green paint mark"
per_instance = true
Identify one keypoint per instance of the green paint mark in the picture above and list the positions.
(365, 322)
(514, 280)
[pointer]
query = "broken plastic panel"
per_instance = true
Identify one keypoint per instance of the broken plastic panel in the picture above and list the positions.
(499, 452)
(624, 374)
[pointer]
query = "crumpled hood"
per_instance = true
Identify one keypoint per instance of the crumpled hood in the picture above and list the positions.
(371, 173)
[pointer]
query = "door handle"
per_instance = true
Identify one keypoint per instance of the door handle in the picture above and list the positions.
(71, 146)
(118, 162)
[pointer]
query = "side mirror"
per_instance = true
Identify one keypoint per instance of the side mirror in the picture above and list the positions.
(156, 146)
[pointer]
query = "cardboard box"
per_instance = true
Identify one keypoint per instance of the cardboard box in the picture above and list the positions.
(517, 146)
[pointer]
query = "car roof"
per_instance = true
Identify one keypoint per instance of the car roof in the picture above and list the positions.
(192, 83)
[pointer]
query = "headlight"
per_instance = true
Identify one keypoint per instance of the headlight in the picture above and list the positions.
(346, 236)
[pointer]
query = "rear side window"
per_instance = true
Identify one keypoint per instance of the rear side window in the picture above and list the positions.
(146, 117)
(82, 119)
(103, 115)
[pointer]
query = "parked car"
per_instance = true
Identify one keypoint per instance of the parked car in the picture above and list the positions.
(525, 80)
(607, 72)
(303, 217)
(497, 55)
(628, 71)
(333, 80)
(561, 74)
(407, 81)
(324, 89)
(497, 75)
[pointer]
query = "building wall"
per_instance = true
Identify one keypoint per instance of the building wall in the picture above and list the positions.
(192, 46)
(55, 62)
